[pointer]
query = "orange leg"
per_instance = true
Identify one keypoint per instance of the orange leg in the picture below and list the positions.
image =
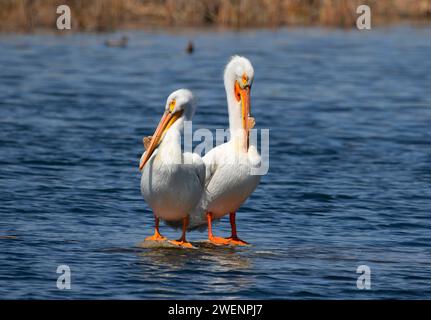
(182, 242)
(157, 236)
(233, 239)
(211, 237)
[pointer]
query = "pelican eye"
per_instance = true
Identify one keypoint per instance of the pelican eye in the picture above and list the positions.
(172, 105)
(244, 79)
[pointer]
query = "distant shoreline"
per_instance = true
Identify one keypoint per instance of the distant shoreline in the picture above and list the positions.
(189, 31)
(28, 16)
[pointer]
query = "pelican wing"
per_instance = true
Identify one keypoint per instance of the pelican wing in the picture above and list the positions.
(210, 160)
(197, 164)
(200, 168)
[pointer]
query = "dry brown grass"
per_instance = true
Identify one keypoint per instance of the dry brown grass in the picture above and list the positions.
(99, 15)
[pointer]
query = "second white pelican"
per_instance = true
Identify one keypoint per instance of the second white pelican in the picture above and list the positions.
(172, 181)
(229, 176)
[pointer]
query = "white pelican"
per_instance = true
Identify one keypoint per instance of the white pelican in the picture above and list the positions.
(172, 181)
(229, 180)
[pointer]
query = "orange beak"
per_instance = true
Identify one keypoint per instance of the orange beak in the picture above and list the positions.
(244, 95)
(167, 120)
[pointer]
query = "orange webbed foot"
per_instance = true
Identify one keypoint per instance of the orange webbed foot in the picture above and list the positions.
(156, 237)
(235, 241)
(181, 243)
(218, 240)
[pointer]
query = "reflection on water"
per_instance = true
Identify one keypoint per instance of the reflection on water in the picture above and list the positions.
(219, 271)
(348, 183)
(220, 259)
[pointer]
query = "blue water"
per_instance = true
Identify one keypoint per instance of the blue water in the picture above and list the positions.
(349, 183)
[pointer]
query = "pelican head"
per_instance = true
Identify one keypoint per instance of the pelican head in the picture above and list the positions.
(238, 79)
(180, 106)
